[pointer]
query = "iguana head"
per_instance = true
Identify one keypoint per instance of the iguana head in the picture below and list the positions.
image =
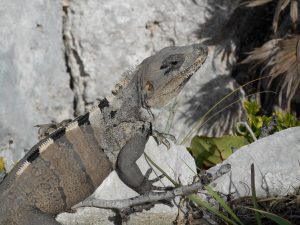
(164, 74)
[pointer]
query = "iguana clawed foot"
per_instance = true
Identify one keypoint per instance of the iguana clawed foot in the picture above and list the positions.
(147, 185)
(162, 138)
(48, 128)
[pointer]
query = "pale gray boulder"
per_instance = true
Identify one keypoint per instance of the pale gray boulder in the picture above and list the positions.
(277, 170)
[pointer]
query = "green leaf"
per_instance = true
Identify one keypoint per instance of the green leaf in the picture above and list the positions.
(253, 190)
(256, 121)
(285, 120)
(277, 219)
(209, 151)
(213, 210)
(252, 107)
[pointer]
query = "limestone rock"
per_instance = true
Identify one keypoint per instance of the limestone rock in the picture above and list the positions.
(106, 37)
(276, 160)
(34, 83)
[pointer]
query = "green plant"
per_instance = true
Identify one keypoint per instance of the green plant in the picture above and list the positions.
(265, 125)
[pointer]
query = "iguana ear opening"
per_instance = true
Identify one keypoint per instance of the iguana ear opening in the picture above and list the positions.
(149, 87)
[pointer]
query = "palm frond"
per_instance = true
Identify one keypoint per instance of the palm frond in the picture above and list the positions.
(294, 13)
(279, 57)
(281, 5)
(254, 3)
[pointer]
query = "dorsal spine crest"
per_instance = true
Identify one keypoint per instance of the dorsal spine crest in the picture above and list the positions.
(22, 168)
(46, 144)
(126, 77)
(72, 126)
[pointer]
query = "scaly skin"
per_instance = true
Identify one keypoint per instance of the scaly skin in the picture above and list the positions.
(67, 165)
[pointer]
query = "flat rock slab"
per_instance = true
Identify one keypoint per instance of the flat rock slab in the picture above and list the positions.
(277, 166)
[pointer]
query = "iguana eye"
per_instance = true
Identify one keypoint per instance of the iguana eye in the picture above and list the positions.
(168, 64)
(149, 86)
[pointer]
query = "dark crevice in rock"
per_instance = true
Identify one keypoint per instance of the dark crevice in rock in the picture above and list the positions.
(68, 68)
(71, 83)
(80, 64)
(75, 66)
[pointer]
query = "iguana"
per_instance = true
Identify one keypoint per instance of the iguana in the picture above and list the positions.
(69, 163)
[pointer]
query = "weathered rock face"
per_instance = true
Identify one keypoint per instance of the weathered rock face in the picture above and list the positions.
(109, 36)
(105, 37)
(34, 83)
(100, 39)
(55, 62)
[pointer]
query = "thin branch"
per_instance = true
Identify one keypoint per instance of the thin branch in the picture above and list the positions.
(148, 200)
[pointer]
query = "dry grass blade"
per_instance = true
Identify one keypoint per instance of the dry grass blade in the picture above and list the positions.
(281, 5)
(294, 13)
(254, 3)
(280, 57)
(263, 54)
(284, 206)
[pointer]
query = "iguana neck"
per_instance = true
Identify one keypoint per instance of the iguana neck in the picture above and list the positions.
(129, 101)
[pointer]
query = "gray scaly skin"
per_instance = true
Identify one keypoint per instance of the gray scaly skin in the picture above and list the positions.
(67, 165)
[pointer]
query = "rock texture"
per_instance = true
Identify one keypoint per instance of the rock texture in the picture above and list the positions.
(103, 38)
(276, 160)
(34, 83)
(176, 162)
(55, 61)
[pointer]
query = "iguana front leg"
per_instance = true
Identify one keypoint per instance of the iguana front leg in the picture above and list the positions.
(127, 168)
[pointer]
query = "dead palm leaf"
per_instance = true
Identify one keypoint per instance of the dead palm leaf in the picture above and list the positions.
(281, 5)
(280, 57)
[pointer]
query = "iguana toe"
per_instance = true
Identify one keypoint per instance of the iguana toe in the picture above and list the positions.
(162, 138)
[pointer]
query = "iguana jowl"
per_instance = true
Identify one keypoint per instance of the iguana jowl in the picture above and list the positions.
(67, 165)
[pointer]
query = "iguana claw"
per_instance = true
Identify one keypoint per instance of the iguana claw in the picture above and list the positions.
(46, 129)
(149, 183)
(162, 138)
